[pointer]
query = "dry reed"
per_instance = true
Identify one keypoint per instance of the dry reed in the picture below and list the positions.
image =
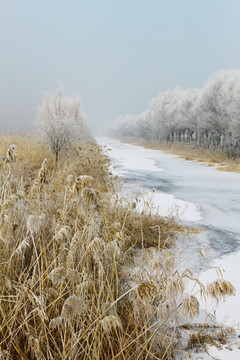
(71, 287)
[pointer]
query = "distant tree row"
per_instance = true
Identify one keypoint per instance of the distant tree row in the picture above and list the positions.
(209, 116)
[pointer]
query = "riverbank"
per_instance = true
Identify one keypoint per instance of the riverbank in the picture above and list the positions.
(84, 274)
(191, 152)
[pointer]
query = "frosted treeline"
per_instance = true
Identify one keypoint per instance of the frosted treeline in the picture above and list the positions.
(209, 116)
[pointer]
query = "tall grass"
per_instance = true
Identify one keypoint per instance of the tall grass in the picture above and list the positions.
(83, 275)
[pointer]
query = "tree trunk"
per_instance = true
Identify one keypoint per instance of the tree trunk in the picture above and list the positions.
(56, 158)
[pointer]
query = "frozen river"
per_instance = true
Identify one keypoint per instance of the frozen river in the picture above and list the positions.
(199, 196)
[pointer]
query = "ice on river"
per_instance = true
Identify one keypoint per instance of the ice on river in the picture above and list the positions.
(134, 159)
(197, 195)
(130, 159)
(168, 205)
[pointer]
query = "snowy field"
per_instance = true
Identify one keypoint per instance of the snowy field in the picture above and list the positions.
(196, 195)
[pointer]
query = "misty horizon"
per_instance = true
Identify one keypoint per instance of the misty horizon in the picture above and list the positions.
(115, 55)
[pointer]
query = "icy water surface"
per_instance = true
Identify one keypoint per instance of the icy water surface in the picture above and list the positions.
(199, 195)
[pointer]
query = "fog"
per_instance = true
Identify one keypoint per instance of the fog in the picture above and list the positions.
(116, 55)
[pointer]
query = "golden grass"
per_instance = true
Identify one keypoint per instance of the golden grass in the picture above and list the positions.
(72, 283)
(192, 152)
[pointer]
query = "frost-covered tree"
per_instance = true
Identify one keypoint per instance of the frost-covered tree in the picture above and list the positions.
(213, 122)
(230, 104)
(61, 120)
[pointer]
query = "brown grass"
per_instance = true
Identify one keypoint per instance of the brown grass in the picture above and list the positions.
(192, 152)
(73, 285)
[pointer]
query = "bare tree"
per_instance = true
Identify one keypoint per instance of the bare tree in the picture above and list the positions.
(61, 120)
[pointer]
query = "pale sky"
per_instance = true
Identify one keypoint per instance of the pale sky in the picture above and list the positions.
(116, 54)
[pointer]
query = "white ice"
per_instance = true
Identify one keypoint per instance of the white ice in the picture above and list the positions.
(196, 194)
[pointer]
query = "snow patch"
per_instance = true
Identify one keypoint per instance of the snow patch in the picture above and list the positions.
(167, 205)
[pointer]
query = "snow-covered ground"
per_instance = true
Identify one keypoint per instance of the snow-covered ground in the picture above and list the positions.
(200, 196)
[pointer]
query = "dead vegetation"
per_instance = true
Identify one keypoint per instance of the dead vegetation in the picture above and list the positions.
(84, 276)
(192, 152)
